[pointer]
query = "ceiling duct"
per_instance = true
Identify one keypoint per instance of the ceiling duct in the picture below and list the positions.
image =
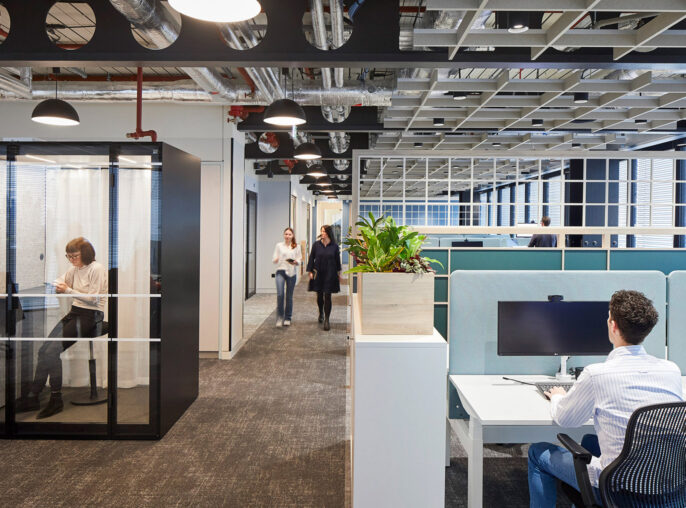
(152, 18)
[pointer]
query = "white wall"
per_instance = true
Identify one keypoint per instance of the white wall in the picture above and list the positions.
(273, 205)
(199, 129)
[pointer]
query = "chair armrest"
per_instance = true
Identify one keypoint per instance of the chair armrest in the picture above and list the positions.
(582, 457)
(577, 451)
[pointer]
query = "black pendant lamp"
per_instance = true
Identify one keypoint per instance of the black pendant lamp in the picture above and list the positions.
(55, 111)
(284, 113)
(307, 151)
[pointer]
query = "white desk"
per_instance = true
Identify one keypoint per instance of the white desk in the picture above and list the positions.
(502, 411)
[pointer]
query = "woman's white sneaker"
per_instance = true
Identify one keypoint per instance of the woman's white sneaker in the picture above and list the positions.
(287, 322)
(279, 322)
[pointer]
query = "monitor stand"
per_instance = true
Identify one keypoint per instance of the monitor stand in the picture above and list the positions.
(562, 375)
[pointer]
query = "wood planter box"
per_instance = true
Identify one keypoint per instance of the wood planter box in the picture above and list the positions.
(396, 303)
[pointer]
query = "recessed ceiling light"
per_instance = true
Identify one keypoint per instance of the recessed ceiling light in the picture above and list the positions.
(459, 96)
(576, 145)
(417, 144)
(641, 120)
(537, 122)
(518, 22)
(580, 97)
(496, 143)
(439, 122)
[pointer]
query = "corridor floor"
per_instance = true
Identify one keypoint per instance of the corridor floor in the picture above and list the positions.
(268, 429)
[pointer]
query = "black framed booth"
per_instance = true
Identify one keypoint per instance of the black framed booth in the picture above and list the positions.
(138, 204)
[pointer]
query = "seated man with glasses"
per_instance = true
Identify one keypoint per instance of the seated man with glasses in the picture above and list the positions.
(608, 392)
(85, 277)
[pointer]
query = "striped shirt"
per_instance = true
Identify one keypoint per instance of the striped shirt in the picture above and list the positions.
(610, 391)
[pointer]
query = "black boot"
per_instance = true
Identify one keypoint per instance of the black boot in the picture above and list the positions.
(326, 324)
(321, 316)
(28, 403)
(54, 406)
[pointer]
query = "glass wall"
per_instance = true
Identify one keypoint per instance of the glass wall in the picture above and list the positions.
(84, 264)
(432, 191)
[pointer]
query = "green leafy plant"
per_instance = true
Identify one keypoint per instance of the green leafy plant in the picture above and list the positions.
(383, 246)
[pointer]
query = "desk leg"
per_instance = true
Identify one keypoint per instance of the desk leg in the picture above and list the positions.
(475, 465)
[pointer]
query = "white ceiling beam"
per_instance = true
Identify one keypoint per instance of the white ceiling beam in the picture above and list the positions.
(561, 26)
(650, 30)
(559, 5)
(465, 26)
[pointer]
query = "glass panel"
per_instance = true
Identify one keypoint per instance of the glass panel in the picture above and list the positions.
(133, 382)
(61, 200)
(4, 168)
(78, 372)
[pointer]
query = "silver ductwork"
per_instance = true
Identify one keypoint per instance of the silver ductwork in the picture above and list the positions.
(183, 91)
(151, 17)
(17, 86)
(337, 36)
(265, 78)
(320, 39)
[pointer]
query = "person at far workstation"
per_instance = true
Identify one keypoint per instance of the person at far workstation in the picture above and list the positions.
(608, 392)
(543, 240)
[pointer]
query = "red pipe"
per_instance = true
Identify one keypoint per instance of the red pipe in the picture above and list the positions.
(247, 79)
(140, 133)
(242, 112)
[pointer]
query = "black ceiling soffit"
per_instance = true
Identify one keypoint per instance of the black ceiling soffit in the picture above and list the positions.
(361, 118)
(373, 43)
(358, 141)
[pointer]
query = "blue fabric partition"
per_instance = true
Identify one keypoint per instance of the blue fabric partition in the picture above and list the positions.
(474, 298)
(474, 308)
(676, 319)
(664, 260)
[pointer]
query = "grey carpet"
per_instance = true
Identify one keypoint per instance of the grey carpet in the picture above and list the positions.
(268, 429)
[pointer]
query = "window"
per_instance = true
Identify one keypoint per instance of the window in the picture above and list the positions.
(654, 190)
(554, 196)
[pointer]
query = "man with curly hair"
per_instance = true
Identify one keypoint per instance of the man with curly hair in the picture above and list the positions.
(608, 392)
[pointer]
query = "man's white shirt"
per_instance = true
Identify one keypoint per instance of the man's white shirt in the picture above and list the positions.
(610, 392)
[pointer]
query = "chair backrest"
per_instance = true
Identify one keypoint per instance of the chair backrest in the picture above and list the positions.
(651, 470)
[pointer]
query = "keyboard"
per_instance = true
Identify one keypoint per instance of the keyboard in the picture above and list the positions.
(545, 386)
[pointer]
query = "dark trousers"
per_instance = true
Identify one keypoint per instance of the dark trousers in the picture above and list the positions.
(324, 303)
(78, 323)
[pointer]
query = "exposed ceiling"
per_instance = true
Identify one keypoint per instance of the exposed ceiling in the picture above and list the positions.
(480, 86)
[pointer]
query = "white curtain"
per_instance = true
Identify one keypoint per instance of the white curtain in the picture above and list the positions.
(134, 276)
(77, 204)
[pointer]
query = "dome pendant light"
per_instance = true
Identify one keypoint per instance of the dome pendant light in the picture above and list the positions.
(223, 11)
(55, 111)
(307, 151)
(285, 112)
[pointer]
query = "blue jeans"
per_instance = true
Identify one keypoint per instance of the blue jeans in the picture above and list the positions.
(284, 280)
(547, 463)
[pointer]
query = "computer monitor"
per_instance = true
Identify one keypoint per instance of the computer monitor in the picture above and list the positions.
(553, 328)
(468, 243)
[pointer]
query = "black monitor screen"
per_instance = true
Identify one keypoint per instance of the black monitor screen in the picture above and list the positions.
(468, 243)
(553, 328)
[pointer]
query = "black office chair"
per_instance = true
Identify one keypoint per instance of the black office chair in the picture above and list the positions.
(94, 395)
(650, 472)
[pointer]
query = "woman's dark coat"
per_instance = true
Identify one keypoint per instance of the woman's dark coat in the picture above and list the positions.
(326, 260)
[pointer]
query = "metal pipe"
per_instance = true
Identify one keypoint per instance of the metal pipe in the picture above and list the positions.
(181, 91)
(337, 36)
(151, 17)
(14, 85)
(319, 30)
(624, 19)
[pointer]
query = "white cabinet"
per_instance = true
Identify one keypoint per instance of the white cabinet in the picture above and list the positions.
(399, 419)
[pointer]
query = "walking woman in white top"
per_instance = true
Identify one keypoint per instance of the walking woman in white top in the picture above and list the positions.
(287, 258)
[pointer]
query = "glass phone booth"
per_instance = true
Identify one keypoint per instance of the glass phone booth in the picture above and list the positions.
(100, 295)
